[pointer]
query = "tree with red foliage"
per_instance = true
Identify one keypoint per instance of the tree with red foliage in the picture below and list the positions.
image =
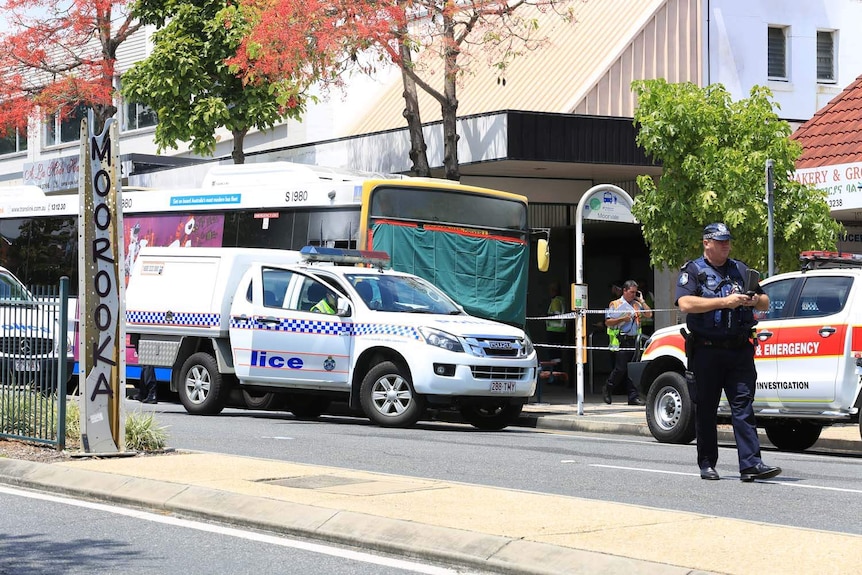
(427, 39)
(57, 55)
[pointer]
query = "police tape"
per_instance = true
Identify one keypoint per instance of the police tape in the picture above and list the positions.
(587, 347)
(579, 313)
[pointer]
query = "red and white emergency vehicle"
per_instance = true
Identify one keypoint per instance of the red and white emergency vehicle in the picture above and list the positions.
(808, 358)
(231, 321)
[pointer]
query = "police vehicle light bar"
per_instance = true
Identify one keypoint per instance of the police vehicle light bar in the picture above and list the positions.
(345, 256)
(814, 258)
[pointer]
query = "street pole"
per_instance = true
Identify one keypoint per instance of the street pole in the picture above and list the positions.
(770, 188)
(617, 208)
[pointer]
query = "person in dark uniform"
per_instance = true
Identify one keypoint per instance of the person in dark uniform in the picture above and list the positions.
(720, 322)
(147, 383)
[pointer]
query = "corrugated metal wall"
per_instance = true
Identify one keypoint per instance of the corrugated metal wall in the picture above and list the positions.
(552, 215)
(668, 46)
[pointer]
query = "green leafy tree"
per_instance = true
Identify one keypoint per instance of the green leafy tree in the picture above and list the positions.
(187, 82)
(713, 153)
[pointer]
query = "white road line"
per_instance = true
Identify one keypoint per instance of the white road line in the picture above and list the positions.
(781, 483)
(643, 469)
(238, 533)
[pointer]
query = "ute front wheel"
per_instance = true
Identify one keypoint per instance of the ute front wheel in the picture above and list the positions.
(388, 398)
(202, 389)
(670, 410)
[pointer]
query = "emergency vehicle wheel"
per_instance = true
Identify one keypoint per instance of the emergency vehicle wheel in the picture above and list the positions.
(490, 416)
(266, 401)
(670, 410)
(388, 398)
(793, 435)
(202, 391)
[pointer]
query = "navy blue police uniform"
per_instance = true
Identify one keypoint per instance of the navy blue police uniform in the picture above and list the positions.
(721, 357)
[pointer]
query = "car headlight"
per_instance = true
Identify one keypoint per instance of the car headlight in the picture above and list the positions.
(441, 339)
(527, 345)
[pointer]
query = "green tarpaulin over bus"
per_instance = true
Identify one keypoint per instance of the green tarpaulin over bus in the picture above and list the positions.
(487, 276)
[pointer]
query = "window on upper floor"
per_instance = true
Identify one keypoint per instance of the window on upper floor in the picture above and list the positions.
(777, 53)
(826, 56)
(137, 116)
(15, 141)
(62, 128)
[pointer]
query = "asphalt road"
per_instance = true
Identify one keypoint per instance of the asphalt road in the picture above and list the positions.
(816, 490)
(51, 535)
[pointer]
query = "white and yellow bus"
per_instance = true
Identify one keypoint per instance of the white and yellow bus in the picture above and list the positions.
(471, 242)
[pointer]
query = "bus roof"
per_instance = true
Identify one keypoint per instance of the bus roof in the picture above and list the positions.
(277, 173)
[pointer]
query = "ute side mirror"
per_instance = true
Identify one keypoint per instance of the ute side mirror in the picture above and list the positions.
(343, 308)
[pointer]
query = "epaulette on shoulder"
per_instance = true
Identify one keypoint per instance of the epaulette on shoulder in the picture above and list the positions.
(686, 264)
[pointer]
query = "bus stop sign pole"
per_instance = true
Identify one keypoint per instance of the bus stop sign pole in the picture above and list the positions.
(605, 203)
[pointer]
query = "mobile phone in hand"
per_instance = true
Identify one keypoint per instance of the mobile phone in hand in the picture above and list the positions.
(752, 282)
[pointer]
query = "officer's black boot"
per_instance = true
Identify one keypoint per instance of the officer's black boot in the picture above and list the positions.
(151, 393)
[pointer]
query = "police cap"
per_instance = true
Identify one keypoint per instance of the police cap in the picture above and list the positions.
(716, 231)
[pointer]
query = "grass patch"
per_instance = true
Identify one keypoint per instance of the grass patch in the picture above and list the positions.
(143, 433)
(30, 414)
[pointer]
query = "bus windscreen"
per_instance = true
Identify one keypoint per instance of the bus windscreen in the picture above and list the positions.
(448, 207)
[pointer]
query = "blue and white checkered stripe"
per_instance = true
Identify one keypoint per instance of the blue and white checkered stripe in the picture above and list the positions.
(291, 325)
(385, 329)
(177, 319)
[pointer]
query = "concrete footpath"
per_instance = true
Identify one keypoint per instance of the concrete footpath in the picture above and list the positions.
(492, 529)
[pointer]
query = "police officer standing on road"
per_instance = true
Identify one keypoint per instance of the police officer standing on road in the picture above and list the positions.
(720, 321)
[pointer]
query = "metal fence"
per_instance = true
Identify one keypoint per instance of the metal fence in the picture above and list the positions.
(34, 363)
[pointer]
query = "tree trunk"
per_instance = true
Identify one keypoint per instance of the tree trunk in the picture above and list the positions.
(101, 114)
(418, 147)
(238, 154)
(449, 105)
(449, 110)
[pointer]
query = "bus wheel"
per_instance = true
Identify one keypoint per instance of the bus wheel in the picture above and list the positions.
(670, 410)
(307, 406)
(263, 400)
(491, 416)
(388, 398)
(202, 391)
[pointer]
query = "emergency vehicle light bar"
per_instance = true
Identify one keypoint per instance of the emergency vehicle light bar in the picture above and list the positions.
(345, 256)
(812, 259)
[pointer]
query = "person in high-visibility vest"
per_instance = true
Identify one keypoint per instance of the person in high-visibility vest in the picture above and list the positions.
(327, 304)
(555, 329)
(622, 319)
